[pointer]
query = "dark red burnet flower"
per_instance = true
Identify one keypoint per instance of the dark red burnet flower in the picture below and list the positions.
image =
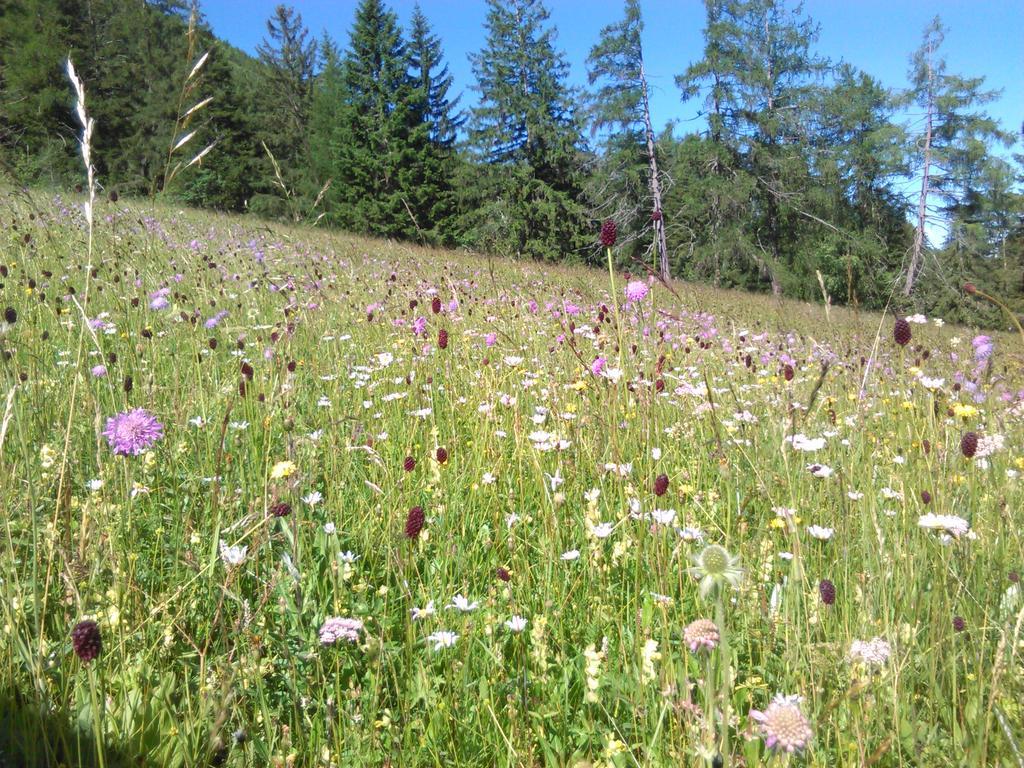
(609, 233)
(959, 625)
(827, 591)
(435, 305)
(660, 485)
(414, 523)
(656, 216)
(787, 372)
(409, 464)
(281, 509)
(442, 338)
(970, 288)
(901, 332)
(926, 497)
(441, 456)
(10, 315)
(86, 640)
(503, 574)
(969, 444)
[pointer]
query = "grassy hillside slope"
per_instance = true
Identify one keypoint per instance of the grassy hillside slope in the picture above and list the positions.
(388, 505)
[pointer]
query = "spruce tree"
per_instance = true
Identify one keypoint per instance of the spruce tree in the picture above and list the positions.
(379, 137)
(526, 135)
(433, 197)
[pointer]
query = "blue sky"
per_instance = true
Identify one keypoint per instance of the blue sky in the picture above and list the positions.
(985, 38)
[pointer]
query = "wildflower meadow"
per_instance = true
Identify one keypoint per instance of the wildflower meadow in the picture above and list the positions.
(279, 497)
(274, 496)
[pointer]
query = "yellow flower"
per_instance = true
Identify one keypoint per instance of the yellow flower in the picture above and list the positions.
(282, 470)
(580, 386)
(965, 411)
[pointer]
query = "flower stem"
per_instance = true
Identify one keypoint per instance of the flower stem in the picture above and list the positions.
(725, 680)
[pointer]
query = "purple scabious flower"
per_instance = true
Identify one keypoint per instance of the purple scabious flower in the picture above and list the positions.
(214, 321)
(636, 290)
(982, 348)
(419, 325)
(99, 371)
(131, 432)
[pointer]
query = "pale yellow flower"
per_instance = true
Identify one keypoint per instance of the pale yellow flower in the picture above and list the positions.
(282, 470)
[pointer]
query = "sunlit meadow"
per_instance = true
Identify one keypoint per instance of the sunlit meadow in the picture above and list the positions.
(278, 497)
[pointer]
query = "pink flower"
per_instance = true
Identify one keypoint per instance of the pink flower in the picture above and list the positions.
(491, 339)
(337, 628)
(701, 634)
(783, 724)
(598, 365)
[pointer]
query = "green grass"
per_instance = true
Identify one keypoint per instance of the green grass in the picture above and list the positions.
(195, 651)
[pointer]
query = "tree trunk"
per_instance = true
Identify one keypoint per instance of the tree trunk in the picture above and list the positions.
(922, 203)
(658, 214)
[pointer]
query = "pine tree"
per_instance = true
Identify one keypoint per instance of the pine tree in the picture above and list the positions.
(621, 104)
(526, 135)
